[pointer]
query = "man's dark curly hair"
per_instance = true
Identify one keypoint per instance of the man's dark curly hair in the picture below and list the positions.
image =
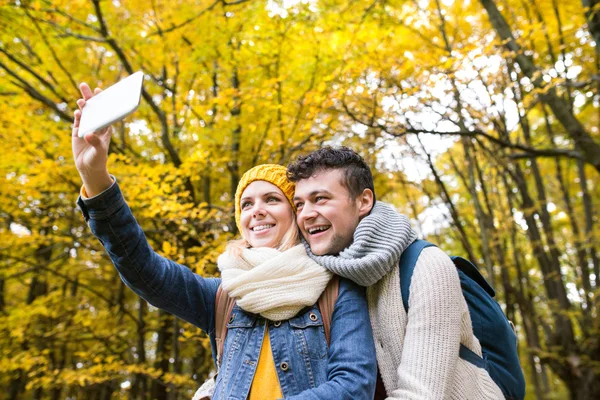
(356, 173)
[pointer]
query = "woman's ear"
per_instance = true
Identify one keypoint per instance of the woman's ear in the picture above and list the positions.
(365, 203)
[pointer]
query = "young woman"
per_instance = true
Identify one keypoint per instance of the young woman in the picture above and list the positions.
(275, 345)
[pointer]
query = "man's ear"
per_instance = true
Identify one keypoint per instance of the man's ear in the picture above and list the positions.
(365, 203)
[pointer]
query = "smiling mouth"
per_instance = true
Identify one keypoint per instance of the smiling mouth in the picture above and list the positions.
(261, 228)
(318, 229)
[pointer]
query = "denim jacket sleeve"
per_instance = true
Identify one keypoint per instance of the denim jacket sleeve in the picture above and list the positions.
(352, 367)
(161, 282)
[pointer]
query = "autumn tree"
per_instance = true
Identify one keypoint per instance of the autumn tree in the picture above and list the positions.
(479, 118)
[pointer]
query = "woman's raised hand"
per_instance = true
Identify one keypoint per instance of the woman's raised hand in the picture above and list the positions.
(91, 151)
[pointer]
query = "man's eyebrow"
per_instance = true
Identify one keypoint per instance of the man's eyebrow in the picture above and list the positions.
(314, 193)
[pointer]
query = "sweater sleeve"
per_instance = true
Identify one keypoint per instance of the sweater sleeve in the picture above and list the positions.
(433, 332)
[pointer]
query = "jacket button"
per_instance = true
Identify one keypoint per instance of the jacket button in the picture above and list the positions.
(277, 324)
(231, 318)
(284, 366)
(313, 317)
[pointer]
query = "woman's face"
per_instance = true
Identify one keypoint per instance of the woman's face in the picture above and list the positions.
(266, 214)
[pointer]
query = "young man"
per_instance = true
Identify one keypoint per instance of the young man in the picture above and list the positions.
(354, 236)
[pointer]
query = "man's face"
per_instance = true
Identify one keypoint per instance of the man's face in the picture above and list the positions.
(327, 215)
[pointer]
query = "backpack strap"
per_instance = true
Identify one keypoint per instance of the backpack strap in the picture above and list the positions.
(326, 304)
(408, 261)
(223, 307)
(472, 272)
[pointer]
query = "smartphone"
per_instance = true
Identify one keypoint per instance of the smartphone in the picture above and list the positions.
(112, 104)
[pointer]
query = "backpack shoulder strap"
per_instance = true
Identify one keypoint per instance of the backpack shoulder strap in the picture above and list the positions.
(472, 272)
(326, 304)
(408, 261)
(223, 307)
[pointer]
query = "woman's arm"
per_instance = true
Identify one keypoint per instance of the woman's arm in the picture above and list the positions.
(352, 366)
(161, 282)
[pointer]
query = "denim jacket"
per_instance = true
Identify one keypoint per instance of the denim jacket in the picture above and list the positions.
(306, 367)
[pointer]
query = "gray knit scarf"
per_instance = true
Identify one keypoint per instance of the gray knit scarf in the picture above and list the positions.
(379, 240)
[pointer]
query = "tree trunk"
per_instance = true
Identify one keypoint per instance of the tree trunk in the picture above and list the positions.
(234, 163)
(206, 180)
(482, 218)
(16, 386)
(554, 256)
(139, 388)
(159, 389)
(585, 387)
(177, 363)
(412, 203)
(458, 223)
(2, 303)
(564, 334)
(593, 19)
(525, 302)
(38, 393)
(589, 222)
(590, 149)
(579, 246)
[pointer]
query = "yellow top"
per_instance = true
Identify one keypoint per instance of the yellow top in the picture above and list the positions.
(83, 193)
(265, 385)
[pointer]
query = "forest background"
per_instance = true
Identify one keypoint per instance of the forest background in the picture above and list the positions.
(479, 118)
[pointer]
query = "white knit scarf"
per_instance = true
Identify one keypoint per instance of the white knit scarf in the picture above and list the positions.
(274, 284)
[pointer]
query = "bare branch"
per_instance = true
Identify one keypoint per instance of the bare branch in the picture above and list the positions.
(63, 13)
(66, 32)
(570, 153)
(166, 141)
(67, 278)
(54, 55)
(43, 81)
(186, 22)
(233, 3)
(33, 92)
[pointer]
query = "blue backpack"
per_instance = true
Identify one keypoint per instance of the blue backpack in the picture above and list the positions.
(495, 333)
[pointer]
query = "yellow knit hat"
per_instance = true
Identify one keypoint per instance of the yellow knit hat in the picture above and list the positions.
(272, 173)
